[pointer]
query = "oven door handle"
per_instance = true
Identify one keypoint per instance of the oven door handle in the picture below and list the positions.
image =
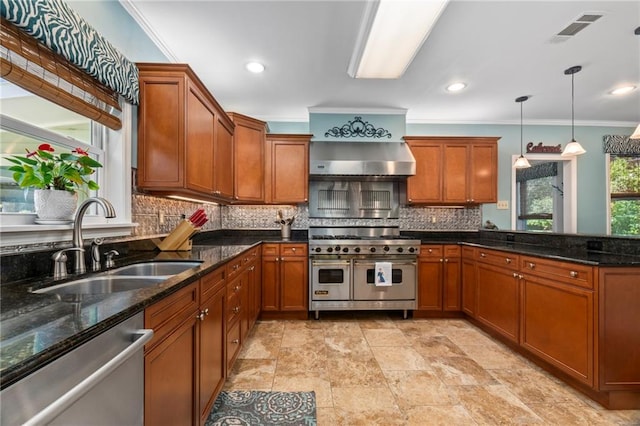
(393, 263)
(329, 263)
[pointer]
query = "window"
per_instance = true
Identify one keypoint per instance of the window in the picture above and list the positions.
(624, 190)
(26, 121)
(540, 197)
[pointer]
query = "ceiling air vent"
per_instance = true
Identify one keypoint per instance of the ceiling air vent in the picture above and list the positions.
(576, 25)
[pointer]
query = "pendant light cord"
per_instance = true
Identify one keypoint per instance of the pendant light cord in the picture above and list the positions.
(521, 131)
(572, 113)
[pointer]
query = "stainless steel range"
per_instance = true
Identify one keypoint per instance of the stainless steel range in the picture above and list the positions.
(346, 265)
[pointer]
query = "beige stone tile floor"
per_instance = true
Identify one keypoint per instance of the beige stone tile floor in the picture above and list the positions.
(375, 368)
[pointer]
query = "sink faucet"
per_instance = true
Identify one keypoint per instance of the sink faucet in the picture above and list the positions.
(109, 211)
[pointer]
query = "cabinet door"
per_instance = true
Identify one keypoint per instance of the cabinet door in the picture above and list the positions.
(255, 291)
(212, 353)
(288, 170)
(233, 343)
(161, 131)
(426, 185)
(468, 272)
(199, 147)
(270, 277)
(169, 391)
(430, 283)
(483, 171)
(451, 284)
(293, 284)
(249, 146)
(557, 325)
(454, 173)
(497, 293)
(223, 158)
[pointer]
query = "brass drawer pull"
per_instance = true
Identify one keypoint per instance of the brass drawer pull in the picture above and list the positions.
(573, 274)
(483, 255)
(531, 265)
(507, 260)
(236, 341)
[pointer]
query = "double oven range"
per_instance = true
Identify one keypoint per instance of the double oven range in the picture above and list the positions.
(343, 266)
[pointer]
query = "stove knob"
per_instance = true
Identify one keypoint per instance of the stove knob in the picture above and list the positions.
(357, 249)
(318, 249)
(329, 250)
(346, 249)
(412, 250)
(337, 248)
(400, 250)
(386, 248)
(372, 249)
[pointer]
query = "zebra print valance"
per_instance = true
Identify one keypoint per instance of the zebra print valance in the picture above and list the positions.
(620, 145)
(538, 171)
(56, 25)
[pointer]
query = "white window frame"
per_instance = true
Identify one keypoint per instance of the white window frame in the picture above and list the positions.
(115, 186)
(570, 190)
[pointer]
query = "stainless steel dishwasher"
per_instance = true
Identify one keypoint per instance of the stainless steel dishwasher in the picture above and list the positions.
(99, 383)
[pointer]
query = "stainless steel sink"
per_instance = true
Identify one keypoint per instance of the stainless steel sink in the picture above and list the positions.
(102, 285)
(155, 268)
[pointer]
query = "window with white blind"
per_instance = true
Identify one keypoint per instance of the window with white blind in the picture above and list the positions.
(624, 194)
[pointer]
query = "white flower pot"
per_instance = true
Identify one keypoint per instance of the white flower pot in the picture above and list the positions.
(54, 206)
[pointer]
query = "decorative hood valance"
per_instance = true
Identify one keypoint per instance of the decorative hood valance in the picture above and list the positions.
(538, 171)
(55, 24)
(620, 145)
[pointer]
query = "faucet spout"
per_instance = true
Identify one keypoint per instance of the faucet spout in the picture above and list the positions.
(109, 212)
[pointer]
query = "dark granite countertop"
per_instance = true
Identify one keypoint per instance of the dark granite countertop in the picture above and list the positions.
(36, 329)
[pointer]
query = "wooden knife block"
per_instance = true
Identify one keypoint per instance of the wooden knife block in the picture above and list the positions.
(179, 239)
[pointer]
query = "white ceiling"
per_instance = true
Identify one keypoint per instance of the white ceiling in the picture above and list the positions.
(501, 49)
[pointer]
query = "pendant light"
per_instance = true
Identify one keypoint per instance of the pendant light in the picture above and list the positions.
(521, 162)
(636, 133)
(573, 148)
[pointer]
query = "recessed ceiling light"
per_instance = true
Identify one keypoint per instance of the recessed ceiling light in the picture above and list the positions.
(456, 87)
(622, 90)
(255, 67)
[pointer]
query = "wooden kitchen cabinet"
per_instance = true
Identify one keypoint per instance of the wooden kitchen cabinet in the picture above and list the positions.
(498, 292)
(557, 325)
(469, 281)
(619, 335)
(285, 280)
(453, 170)
(439, 278)
(184, 136)
(249, 142)
(287, 169)
(169, 392)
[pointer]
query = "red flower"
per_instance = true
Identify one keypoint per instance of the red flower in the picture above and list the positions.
(45, 147)
(80, 151)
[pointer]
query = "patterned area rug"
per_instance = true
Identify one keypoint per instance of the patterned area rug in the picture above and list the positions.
(257, 408)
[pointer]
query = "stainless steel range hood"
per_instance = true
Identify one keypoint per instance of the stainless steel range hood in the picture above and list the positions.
(367, 159)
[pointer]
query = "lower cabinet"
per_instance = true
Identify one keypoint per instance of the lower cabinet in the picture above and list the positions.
(170, 393)
(439, 278)
(285, 288)
(497, 292)
(557, 325)
(469, 281)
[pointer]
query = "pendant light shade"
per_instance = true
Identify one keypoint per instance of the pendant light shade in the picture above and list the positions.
(636, 133)
(521, 162)
(573, 148)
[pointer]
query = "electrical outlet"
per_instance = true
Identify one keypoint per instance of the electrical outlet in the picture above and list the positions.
(433, 219)
(503, 205)
(161, 218)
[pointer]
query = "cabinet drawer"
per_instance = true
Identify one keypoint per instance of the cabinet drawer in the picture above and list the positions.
(234, 266)
(293, 250)
(250, 255)
(270, 249)
(167, 314)
(431, 251)
(211, 283)
(233, 343)
(451, 251)
(469, 253)
(507, 260)
(566, 272)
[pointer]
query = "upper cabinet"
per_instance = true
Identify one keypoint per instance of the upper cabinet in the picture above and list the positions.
(184, 137)
(453, 170)
(249, 146)
(287, 169)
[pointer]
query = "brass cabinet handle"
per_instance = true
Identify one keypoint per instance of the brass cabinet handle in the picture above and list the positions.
(483, 255)
(236, 341)
(515, 275)
(236, 309)
(532, 265)
(446, 260)
(573, 274)
(430, 250)
(293, 249)
(441, 260)
(507, 260)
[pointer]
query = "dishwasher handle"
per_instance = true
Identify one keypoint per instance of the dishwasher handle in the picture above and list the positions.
(139, 337)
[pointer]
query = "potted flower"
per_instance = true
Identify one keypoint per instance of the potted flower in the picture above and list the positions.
(56, 179)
